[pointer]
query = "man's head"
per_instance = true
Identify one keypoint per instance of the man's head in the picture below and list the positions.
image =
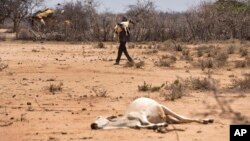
(124, 19)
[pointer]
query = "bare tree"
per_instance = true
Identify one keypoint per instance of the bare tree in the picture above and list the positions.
(4, 13)
(220, 20)
(17, 10)
(144, 14)
(106, 22)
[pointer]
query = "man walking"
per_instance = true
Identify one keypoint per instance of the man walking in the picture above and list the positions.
(123, 36)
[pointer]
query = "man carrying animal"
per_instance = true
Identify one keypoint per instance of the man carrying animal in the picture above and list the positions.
(122, 32)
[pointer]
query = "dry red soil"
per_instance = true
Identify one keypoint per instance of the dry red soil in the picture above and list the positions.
(93, 86)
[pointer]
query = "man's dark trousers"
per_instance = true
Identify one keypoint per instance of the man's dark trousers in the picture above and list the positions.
(122, 48)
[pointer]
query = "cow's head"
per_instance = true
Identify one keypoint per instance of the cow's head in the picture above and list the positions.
(102, 122)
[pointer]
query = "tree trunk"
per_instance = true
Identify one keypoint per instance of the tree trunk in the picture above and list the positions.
(16, 27)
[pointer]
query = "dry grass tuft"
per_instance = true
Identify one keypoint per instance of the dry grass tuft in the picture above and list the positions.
(100, 91)
(240, 64)
(206, 63)
(145, 87)
(3, 66)
(55, 88)
(206, 83)
(173, 90)
(100, 45)
(150, 51)
(243, 52)
(231, 49)
(208, 51)
(242, 84)
(166, 61)
(186, 55)
(137, 65)
(216, 61)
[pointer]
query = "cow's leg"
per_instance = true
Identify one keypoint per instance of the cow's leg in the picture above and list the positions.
(176, 118)
(140, 116)
(158, 115)
(153, 126)
(143, 121)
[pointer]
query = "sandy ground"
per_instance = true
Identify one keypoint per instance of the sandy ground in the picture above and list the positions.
(29, 112)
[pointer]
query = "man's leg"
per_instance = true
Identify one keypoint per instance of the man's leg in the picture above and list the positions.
(119, 54)
(126, 53)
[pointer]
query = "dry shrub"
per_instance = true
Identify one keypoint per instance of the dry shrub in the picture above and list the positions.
(100, 45)
(200, 50)
(100, 91)
(240, 64)
(158, 46)
(129, 65)
(166, 61)
(185, 52)
(206, 63)
(209, 51)
(55, 87)
(206, 83)
(25, 35)
(173, 90)
(151, 51)
(242, 84)
(186, 55)
(243, 52)
(3, 66)
(35, 50)
(170, 45)
(166, 46)
(231, 49)
(156, 88)
(178, 47)
(131, 46)
(221, 59)
(137, 65)
(247, 60)
(145, 87)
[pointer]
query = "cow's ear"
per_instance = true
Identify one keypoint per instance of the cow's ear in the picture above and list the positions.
(111, 117)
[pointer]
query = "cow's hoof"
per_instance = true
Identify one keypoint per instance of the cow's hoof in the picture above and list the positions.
(211, 121)
(165, 125)
(207, 121)
(161, 130)
(137, 127)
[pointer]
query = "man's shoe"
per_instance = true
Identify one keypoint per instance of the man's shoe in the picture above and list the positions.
(116, 63)
(132, 62)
